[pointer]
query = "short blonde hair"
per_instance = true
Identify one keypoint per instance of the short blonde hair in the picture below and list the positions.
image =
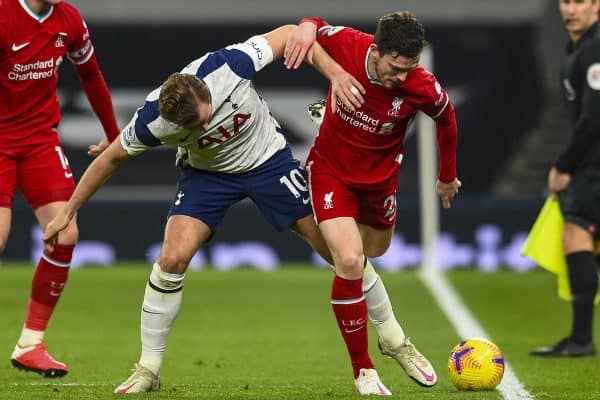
(179, 97)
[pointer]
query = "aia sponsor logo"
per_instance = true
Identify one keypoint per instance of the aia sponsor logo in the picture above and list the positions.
(222, 134)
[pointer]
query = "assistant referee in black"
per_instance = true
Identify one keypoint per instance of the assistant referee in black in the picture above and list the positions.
(575, 176)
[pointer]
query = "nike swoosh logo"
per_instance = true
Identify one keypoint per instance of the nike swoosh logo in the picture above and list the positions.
(354, 330)
(151, 312)
(126, 388)
(427, 376)
(16, 47)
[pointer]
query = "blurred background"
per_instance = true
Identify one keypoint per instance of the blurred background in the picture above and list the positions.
(499, 61)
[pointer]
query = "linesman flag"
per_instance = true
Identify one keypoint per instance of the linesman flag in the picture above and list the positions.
(544, 245)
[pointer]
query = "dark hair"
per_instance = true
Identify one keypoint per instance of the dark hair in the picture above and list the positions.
(400, 32)
(179, 97)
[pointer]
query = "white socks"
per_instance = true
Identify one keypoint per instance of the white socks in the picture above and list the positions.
(380, 309)
(162, 302)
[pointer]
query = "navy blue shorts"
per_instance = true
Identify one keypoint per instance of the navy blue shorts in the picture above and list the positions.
(278, 187)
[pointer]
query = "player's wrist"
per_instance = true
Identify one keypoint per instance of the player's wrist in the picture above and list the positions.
(310, 20)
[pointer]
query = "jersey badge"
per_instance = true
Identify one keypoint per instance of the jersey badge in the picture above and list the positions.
(60, 39)
(395, 110)
(129, 134)
(234, 105)
(593, 76)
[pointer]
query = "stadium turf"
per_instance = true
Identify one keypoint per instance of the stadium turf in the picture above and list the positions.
(246, 334)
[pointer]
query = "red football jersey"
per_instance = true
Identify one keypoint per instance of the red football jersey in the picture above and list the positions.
(32, 48)
(366, 147)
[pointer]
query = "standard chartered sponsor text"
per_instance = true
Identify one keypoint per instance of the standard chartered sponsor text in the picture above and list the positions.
(40, 69)
(357, 118)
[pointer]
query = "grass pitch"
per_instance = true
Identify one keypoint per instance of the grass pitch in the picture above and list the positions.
(246, 334)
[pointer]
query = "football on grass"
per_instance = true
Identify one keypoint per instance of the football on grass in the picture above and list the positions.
(476, 364)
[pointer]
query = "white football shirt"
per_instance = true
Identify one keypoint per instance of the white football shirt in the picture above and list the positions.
(241, 134)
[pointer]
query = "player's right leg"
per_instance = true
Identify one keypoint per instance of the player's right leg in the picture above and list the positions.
(197, 210)
(162, 299)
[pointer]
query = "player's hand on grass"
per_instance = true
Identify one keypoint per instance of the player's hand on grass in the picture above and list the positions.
(94, 150)
(557, 181)
(57, 224)
(300, 45)
(447, 191)
(348, 89)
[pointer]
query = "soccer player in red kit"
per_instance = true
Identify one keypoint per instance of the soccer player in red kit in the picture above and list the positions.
(353, 164)
(35, 36)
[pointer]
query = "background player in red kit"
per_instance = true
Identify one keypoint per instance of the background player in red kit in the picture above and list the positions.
(353, 164)
(35, 35)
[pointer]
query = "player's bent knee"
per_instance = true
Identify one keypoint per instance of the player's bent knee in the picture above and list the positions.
(165, 280)
(173, 263)
(350, 262)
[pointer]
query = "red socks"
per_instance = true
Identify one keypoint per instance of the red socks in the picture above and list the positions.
(48, 283)
(350, 309)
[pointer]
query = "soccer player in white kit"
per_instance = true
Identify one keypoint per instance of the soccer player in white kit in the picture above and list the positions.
(229, 147)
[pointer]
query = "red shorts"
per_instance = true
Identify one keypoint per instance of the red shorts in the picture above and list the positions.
(40, 171)
(331, 198)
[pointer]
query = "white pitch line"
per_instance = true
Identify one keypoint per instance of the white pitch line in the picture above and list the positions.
(68, 384)
(467, 326)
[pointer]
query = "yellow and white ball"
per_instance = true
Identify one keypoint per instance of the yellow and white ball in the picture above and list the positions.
(476, 364)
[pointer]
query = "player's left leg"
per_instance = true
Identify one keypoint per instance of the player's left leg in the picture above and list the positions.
(162, 299)
(392, 339)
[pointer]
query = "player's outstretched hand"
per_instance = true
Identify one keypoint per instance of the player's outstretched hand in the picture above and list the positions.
(447, 191)
(57, 224)
(300, 45)
(94, 150)
(348, 89)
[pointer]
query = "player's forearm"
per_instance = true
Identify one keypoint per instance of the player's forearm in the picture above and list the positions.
(326, 65)
(98, 172)
(277, 39)
(318, 22)
(96, 90)
(447, 138)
